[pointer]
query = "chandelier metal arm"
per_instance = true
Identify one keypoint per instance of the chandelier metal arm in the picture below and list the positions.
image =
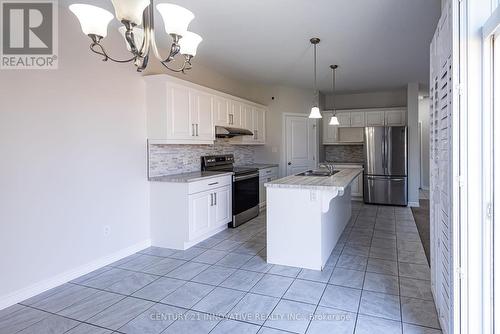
(102, 51)
(185, 66)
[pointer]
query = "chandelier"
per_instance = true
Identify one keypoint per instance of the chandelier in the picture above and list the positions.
(140, 41)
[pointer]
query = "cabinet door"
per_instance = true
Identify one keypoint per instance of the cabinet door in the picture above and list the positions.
(235, 114)
(180, 125)
(374, 118)
(358, 119)
(330, 132)
(259, 121)
(344, 119)
(221, 111)
(200, 214)
(202, 115)
(222, 206)
(357, 186)
(247, 118)
(395, 117)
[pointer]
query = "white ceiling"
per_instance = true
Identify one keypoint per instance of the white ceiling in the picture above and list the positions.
(378, 44)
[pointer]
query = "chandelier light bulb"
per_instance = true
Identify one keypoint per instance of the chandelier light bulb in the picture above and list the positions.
(93, 20)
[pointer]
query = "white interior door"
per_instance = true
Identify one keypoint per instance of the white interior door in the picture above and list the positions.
(301, 146)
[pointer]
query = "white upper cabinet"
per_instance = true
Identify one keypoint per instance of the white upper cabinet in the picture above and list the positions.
(246, 117)
(235, 114)
(344, 119)
(395, 117)
(201, 113)
(330, 132)
(358, 119)
(375, 118)
(179, 121)
(180, 112)
(259, 123)
(221, 111)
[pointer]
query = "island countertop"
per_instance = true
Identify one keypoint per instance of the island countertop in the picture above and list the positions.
(188, 177)
(338, 181)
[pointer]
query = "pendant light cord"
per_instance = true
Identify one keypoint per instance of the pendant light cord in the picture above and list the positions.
(315, 85)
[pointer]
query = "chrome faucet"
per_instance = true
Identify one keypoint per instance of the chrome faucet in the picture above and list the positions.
(330, 167)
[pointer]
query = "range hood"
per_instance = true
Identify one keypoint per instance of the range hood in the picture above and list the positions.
(228, 132)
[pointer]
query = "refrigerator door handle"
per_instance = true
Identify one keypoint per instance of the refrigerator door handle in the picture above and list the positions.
(385, 178)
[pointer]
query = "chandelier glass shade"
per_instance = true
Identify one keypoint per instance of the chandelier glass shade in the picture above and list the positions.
(137, 19)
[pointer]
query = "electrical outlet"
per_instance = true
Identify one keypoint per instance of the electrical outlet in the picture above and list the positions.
(107, 230)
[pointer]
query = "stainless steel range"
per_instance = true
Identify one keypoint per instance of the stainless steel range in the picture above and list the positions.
(245, 186)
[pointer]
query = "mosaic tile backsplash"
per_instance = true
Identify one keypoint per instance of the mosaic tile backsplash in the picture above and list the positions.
(174, 159)
(344, 153)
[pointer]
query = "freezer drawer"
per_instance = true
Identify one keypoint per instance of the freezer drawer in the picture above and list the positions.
(385, 190)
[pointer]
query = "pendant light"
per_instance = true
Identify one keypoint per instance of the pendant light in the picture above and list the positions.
(334, 120)
(315, 113)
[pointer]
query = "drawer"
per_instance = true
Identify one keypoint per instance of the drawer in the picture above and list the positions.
(209, 184)
(266, 172)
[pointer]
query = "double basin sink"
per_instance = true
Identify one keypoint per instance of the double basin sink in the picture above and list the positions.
(318, 173)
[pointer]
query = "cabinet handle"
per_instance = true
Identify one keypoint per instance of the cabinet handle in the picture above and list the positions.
(211, 199)
(197, 130)
(256, 134)
(213, 184)
(269, 179)
(192, 130)
(215, 198)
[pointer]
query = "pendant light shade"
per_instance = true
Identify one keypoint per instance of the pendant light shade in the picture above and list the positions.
(315, 113)
(334, 121)
(93, 20)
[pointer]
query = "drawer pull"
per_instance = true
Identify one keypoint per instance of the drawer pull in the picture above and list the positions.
(213, 184)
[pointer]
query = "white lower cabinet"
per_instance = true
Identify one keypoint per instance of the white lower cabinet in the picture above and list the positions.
(265, 175)
(186, 213)
(357, 184)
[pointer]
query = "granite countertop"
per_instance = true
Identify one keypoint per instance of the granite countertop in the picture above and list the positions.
(342, 162)
(258, 165)
(338, 181)
(188, 177)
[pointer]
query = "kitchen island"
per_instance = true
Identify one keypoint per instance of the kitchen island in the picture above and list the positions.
(306, 216)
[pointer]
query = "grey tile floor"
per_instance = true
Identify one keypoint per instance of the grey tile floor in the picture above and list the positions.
(376, 281)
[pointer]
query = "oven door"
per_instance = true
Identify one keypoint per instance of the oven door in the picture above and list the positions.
(245, 198)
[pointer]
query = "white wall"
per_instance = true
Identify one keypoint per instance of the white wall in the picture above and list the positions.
(73, 160)
(423, 119)
(413, 145)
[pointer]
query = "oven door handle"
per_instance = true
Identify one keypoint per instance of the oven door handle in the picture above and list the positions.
(245, 177)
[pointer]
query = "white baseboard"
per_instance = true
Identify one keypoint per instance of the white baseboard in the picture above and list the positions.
(47, 284)
(414, 204)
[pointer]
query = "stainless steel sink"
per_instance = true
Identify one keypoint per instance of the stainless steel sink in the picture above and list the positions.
(318, 173)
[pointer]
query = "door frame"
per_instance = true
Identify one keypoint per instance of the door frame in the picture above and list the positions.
(284, 143)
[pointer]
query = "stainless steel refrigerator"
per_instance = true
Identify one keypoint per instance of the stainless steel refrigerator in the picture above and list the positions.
(385, 179)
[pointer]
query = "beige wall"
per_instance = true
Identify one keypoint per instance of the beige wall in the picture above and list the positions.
(286, 100)
(73, 160)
